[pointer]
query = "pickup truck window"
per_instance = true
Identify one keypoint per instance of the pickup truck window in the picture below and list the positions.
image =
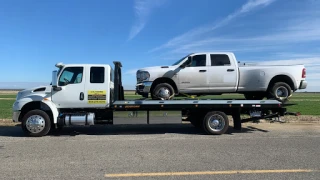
(178, 62)
(97, 75)
(220, 60)
(198, 60)
(71, 75)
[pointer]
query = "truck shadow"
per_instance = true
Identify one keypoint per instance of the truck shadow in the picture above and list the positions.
(16, 131)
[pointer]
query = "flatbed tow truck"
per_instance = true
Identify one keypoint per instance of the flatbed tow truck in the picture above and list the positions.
(92, 94)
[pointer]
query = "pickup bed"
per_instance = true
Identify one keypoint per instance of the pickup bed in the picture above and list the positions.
(215, 73)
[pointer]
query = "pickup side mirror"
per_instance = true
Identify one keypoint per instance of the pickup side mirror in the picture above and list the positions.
(55, 81)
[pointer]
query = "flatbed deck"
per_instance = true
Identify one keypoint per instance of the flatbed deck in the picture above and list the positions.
(186, 104)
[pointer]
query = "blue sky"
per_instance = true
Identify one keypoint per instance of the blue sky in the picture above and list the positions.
(36, 34)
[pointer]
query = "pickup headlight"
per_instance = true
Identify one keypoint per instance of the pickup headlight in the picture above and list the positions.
(143, 75)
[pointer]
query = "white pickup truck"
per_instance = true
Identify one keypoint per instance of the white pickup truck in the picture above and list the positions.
(215, 73)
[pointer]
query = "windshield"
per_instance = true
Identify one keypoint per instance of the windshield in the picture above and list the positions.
(178, 62)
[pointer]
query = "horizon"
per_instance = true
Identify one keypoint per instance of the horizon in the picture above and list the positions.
(141, 33)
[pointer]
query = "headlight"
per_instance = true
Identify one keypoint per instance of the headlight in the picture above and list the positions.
(143, 75)
(18, 95)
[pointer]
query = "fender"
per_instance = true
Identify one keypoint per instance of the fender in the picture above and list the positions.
(53, 108)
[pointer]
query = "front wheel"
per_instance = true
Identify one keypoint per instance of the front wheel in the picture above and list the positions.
(163, 91)
(280, 91)
(36, 123)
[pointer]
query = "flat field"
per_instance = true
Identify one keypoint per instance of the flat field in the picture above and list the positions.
(306, 103)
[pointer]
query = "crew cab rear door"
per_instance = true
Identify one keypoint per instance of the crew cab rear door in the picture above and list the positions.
(222, 73)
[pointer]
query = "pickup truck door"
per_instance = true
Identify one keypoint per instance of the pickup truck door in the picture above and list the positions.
(72, 84)
(193, 77)
(222, 73)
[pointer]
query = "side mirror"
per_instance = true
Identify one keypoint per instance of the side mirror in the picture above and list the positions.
(55, 81)
(186, 63)
(54, 78)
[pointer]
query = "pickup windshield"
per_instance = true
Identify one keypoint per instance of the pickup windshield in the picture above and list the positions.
(178, 62)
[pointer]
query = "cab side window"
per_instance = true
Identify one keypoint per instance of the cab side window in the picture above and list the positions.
(220, 60)
(97, 75)
(71, 75)
(197, 61)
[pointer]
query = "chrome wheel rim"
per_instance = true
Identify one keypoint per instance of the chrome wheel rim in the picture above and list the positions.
(35, 123)
(164, 93)
(282, 92)
(216, 122)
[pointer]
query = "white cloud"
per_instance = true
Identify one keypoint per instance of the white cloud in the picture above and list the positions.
(188, 36)
(143, 9)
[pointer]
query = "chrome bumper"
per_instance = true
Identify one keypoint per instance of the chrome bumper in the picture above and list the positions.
(303, 84)
(15, 116)
(143, 88)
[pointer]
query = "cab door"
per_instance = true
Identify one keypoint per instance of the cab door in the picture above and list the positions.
(72, 85)
(223, 74)
(98, 86)
(193, 77)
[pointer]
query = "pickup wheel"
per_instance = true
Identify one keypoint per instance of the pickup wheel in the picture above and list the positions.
(215, 123)
(280, 91)
(163, 91)
(36, 123)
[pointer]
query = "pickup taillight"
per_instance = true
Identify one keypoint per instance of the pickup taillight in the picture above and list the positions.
(304, 73)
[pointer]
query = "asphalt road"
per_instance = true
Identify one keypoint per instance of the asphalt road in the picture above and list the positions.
(259, 151)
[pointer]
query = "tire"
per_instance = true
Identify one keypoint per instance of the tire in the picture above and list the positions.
(254, 96)
(163, 91)
(280, 91)
(215, 119)
(37, 116)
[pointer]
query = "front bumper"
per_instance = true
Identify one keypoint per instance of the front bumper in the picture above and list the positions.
(15, 116)
(303, 84)
(143, 88)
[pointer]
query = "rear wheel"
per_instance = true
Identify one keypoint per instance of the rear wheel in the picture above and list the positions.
(36, 123)
(215, 122)
(163, 91)
(280, 91)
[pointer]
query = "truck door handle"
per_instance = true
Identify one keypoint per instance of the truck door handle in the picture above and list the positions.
(202, 70)
(229, 70)
(81, 96)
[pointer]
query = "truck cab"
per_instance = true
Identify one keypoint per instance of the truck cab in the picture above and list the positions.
(82, 86)
(75, 88)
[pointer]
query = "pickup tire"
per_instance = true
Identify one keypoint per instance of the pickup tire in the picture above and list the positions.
(163, 91)
(280, 91)
(36, 123)
(215, 123)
